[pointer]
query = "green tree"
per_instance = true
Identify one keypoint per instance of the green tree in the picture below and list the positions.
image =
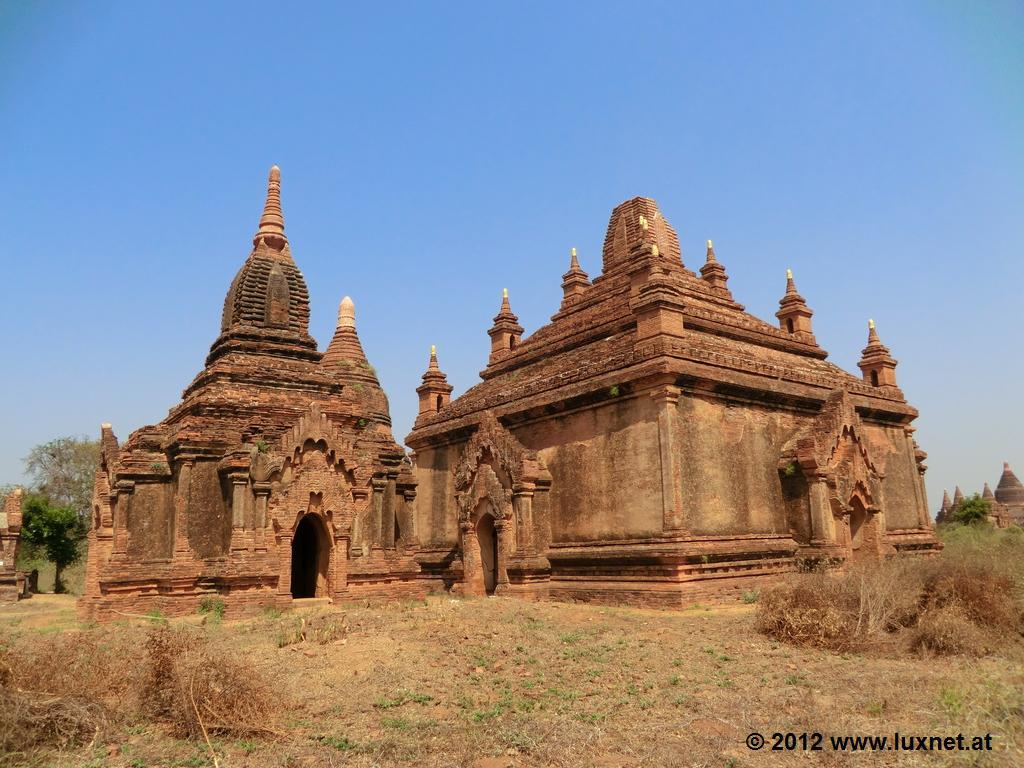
(53, 532)
(971, 511)
(63, 471)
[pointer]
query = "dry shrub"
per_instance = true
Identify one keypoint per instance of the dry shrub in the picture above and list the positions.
(948, 631)
(193, 687)
(966, 600)
(320, 628)
(28, 720)
(84, 664)
(839, 611)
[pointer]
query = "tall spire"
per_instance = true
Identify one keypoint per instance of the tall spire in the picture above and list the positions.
(987, 494)
(574, 282)
(794, 314)
(713, 272)
(271, 229)
(876, 362)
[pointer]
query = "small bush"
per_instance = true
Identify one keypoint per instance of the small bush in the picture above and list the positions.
(949, 631)
(212, 607)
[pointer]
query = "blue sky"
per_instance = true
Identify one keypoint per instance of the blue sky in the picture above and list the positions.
(433, 154)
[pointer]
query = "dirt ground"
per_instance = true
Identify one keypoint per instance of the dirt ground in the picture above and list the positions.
(495, 682)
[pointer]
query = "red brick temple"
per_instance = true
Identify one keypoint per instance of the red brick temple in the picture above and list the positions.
(652, 444)
(276, 477)
(655, 443)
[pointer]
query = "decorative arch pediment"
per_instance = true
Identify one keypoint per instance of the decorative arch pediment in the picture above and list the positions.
(833, 447)
(493, 443)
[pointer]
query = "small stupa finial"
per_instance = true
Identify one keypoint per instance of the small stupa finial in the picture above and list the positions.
(871, 324)
(433, 350)
(504, 293)
(789, 274)
(711, 253)
(347, 313)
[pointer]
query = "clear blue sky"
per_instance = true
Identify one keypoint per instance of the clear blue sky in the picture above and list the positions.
(433, 154)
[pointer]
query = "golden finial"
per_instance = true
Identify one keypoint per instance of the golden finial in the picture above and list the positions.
(871, 324)
(105, 425)
(504, 293)
(433, 350)
(710, 246)
(789, 274)
(572, 252)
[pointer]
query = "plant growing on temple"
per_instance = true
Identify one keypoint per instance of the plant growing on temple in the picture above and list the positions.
(973, 510)
(63, 471)
(53, 532)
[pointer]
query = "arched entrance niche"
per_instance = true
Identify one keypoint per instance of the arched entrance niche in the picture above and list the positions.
(858, 519)
(487, 538)
(311, 554)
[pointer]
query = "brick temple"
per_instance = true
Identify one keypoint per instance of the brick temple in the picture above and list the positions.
(653, 443)
(275, 478)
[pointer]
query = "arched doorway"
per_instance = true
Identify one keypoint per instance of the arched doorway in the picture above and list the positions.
(310, 553)
(487, 537)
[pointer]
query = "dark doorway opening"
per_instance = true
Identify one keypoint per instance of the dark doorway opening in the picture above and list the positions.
(308, 558)
(858, 518)
(488, 538)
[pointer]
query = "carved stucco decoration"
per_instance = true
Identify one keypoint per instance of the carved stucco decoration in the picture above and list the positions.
(833, 448)
(486, 485)
(316, 475)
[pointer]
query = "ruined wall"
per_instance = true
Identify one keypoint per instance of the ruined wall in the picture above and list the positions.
(209, 517)
(730, 456)
(605, 471)
(436, 515)
(901, 489)
(151, 521)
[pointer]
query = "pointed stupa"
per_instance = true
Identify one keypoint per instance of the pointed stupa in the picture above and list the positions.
(958, 496)
(794, 314)
(637, 230)
(876, 363)
(946, 503)
(1009, 489)
(345, 347)
(574, 282)
(266, 310)
(986, 493)
(506, 331)
(713, 272)
(435, 391)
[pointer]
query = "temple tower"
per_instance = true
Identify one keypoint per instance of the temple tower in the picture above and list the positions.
(794, 315)
(435, 392)
(876, 363)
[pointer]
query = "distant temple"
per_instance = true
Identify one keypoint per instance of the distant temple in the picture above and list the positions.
(1006, 505)
(12, 581)
(652, 444)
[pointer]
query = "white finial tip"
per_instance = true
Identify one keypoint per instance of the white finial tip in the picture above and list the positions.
(433, 350)
(789, 274)
(710, 246)
(871, 324)
(105, 425)
(504, 293)
(347, 313)
(275, 173)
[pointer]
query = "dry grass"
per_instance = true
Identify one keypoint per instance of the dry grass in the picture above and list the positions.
(968, 600)
(453, 683)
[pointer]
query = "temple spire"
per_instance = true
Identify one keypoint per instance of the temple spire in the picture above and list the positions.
(574, 282)
(794, 314)
(345, 349)
(271, 229)
(435, 392)
(713, 272)
(506, 331)
(876, 362)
